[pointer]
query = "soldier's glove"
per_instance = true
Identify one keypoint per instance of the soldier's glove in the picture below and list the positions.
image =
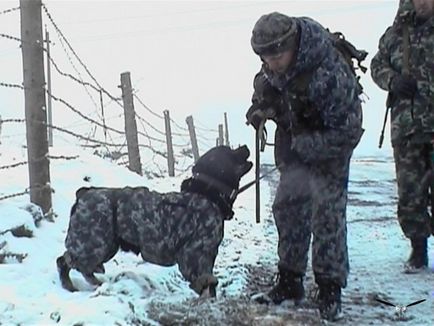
(258, 112)
(403, 86)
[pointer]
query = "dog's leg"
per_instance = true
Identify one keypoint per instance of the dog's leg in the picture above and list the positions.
(205, 285)
(100, 269)
(92, 279)
(208, 292)
(63, 268)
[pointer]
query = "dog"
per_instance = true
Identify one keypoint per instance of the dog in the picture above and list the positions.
(184, 228)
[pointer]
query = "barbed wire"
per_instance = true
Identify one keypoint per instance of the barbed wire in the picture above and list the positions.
(150, 125)
(97, 123)
(84, 83)
(78, 72)
(200, 126)
(102, 142)
(12, 120)
(63, 157)
(103, 90)
(82, 115)
(9, 10)
(26, 192)
(10, 37)
(147, 108)
(99, 89)
(159, 116)
(51, 157)
(4, 167)
(11, 85)
(76, 55)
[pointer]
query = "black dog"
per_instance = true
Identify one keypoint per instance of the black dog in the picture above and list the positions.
(184, 228)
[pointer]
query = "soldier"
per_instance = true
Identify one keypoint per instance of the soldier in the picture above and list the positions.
(307, 87)
(403, 66)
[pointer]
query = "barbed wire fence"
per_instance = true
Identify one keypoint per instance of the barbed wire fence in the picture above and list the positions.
(99, 128)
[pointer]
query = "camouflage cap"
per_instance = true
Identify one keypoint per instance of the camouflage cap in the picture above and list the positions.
(274, 33)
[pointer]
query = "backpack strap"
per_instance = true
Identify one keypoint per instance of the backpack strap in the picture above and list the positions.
(405, 48)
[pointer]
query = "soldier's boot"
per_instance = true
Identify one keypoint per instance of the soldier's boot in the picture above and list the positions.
(418, 260)
(289, 286)
(329, 300)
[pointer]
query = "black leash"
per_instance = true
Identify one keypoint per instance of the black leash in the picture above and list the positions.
(251, 183)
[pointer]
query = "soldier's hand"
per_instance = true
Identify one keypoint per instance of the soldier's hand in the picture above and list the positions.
(259, 111)
(404, 86)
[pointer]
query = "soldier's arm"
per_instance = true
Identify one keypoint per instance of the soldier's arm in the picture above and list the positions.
(334, 95)
(381, 70)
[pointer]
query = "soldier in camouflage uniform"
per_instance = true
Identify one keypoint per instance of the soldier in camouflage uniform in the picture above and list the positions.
(184, 228)
(309, 90)
(404, 66)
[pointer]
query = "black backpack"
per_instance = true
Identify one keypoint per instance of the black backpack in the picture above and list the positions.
(349, 52)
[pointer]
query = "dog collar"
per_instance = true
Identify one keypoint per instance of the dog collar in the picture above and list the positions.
(201, 186)
(220, 186)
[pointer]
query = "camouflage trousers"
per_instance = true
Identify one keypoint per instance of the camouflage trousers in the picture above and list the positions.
(412, 162)
(311, 202)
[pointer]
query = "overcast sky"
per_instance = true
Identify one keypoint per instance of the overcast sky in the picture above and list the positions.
(187, 57)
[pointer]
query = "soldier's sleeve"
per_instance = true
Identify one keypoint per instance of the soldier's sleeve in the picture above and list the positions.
(381, 69)
(259, 83)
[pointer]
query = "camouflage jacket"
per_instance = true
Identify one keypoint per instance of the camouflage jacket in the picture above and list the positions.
(324, 120)
(415, 117)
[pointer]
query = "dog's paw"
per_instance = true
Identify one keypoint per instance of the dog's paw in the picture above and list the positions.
(208, 292)
(92, 279)
(204, 283)
(67, 285)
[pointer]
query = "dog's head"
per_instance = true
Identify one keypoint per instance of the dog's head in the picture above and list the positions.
(217, 175)
(224, 165)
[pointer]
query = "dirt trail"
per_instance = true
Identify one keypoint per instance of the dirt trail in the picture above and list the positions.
(377, 250)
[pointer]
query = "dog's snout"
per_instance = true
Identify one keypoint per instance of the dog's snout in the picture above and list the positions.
(241, 153)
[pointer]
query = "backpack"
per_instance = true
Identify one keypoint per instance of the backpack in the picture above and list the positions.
(306, 113)
(349, 52)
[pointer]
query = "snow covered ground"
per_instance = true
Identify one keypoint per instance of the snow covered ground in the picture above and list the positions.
(139, 293)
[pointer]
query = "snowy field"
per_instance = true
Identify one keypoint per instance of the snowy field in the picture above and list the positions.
(139, 293)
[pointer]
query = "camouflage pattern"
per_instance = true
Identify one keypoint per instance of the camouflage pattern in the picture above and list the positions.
(412, 163)
(325, 121)
(318, 126)
(184, 228)
(409, 117)
(168, 229)
(412, 120)
(312, 200)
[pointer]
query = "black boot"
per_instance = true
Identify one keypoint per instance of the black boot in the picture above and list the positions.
(329, 300)
(289, 286)
(419, 255)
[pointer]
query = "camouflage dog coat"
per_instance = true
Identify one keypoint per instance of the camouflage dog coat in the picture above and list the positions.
(184, 228)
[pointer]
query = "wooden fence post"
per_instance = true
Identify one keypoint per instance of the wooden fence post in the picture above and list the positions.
(130, 124)
(49, 106)
(170, 157)
(220, 139)
(34, 103)
(194, 147)
(226, 130)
